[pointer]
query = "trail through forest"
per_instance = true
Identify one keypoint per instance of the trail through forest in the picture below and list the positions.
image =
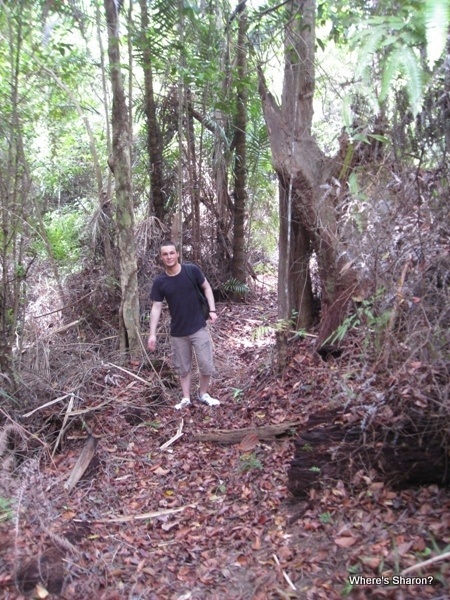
(158, 516)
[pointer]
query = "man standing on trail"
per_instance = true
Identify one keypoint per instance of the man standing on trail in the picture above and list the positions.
(188, 327)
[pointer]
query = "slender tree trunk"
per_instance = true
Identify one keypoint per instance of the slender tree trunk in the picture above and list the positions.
(194, 187)
(120, 163)
(15, 183)
(106, 220)
(154, 139)
(238, 267)
(222, 156)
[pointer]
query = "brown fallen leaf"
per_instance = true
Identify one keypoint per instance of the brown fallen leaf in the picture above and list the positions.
(345, 542)
(161, 471)
(371, 561)
(248, 443)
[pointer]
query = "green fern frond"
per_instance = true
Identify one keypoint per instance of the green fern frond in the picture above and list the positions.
(437, 23)
(414, 78)
(391, 69)
(370, 43)
(404, 62)
(262, 331)
(233, 285)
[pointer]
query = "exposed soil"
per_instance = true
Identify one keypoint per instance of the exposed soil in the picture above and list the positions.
(211, 519)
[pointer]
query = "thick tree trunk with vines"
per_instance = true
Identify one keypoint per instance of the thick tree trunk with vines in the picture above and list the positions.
(120, 164)
(303, 170)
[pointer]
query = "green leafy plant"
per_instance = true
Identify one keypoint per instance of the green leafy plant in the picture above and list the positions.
(222, 488)
(237, 393)
(8, 397)
(365, 314)
(325, 518)
(64, 231)
(250, 462)
(6, 513)
(264, 268)
(153, 424)
(235, 286)
(280, 325)
(349, 586)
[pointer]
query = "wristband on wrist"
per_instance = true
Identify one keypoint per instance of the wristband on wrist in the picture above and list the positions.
(212, 311)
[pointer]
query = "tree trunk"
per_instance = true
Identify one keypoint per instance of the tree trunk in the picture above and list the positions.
(303, 170)
(15, 189)
(120, 164)
(222, 155)
(154, 138)
(106, 221)
(194, 186)
(238, 267)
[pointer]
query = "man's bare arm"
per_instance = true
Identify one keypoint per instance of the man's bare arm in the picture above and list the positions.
(154, 319)
(210, 297)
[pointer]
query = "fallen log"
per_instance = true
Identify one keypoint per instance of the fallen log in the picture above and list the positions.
(332, 450)
(234, 436)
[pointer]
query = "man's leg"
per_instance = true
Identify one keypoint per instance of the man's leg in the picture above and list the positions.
(185, 381)
(204, 383)
(182, 360)
(202, 343)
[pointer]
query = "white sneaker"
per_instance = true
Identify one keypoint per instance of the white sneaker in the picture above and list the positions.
(184, 402)
(206, 399)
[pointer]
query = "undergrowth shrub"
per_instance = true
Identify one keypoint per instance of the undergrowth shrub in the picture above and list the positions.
(399, 323)
(64, 229)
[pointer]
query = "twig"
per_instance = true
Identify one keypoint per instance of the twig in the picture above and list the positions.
(130, 373)
(83, 411)
(61, 329)
(178, 434)
(47, 404)
(128, 518)
(303, 334)
(285, 575)
(425, 563)
(66, 418)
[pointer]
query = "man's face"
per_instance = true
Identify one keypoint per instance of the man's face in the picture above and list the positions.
(169, 256)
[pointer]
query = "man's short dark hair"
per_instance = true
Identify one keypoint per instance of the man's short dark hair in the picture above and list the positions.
(168, 243)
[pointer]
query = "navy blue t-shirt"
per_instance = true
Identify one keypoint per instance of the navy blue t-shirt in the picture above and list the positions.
(182, 298)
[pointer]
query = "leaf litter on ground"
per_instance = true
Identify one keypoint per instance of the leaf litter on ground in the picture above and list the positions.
(195, 519)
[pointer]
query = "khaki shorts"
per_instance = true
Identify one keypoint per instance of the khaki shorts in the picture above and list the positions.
(182, 347)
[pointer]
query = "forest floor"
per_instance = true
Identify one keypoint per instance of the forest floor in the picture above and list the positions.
(208, 520)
